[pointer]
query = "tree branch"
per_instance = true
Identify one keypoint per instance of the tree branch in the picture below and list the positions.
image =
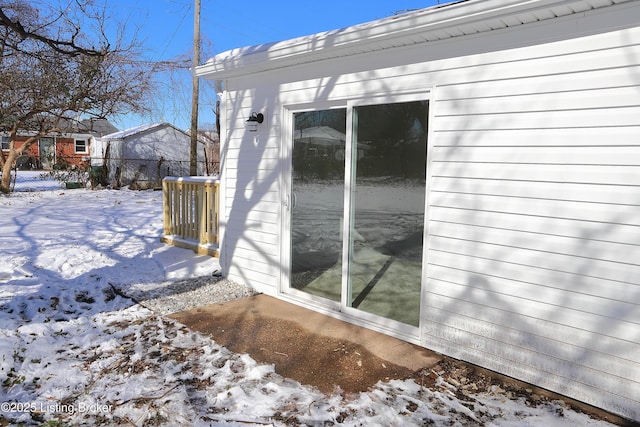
(69, 48)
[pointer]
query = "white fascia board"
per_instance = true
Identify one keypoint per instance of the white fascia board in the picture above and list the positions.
(368, 37)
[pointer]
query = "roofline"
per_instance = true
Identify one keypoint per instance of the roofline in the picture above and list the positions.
(152, 126)
(56, 134)
(149, 127)
(368, 37)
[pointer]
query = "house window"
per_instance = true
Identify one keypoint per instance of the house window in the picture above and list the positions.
(5, 142)
(81, 146)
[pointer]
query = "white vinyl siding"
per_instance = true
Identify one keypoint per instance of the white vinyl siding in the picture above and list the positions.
(533, 192)
(251, 241)
(534, 219)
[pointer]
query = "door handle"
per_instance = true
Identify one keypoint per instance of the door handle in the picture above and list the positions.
(291, 202)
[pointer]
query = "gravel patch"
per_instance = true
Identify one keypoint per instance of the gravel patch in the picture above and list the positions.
(172, 297)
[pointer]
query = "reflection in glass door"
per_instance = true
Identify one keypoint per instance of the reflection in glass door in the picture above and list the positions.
(317, 204)
(377, 196)
(388, 183)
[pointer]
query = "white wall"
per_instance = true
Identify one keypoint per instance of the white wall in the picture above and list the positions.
(533, 194)
(534, 210)
(251, 201)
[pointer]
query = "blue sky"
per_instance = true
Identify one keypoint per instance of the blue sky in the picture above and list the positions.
(166, 29)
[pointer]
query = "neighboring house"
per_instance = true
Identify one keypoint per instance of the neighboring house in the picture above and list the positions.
(141, 156)
(61, 149)
(487, 205)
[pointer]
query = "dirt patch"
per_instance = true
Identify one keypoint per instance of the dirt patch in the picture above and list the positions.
(296, 353)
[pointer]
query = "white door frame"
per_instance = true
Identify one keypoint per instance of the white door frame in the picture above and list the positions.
(341, 309)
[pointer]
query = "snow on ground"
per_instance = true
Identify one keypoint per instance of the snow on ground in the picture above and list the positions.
(73, 350)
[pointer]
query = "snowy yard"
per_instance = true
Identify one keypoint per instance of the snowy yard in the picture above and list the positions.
(73, 350)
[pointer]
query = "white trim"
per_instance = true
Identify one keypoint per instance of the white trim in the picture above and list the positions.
(86, 146)
(286, 159)
(286, 156)
(348, 215)
(222, 187)
(412, 96)
(426, 241)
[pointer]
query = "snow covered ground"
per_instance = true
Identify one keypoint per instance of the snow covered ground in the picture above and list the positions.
(75, 351)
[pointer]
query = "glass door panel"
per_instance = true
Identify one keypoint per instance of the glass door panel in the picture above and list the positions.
(388, 182)
(317, 204)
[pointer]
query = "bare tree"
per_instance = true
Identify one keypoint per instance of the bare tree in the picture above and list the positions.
(59, 64)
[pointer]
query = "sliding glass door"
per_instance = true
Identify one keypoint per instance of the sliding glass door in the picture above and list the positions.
(317, 202)
(357, 207)
(388, 171)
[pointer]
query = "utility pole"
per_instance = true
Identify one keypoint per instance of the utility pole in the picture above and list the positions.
(193, 156)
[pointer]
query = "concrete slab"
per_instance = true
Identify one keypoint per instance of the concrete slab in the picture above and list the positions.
(307, 346)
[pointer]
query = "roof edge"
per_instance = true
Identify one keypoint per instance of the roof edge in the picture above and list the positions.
(365, 37)
(126, 133)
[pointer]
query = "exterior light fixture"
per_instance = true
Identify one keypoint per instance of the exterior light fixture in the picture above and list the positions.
(253, 121)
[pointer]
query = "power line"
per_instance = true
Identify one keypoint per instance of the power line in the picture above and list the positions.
(166, 46)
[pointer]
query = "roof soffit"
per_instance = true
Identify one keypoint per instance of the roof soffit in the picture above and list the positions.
(422, 26)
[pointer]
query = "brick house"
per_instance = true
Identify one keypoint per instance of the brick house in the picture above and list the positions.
(69, 148)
